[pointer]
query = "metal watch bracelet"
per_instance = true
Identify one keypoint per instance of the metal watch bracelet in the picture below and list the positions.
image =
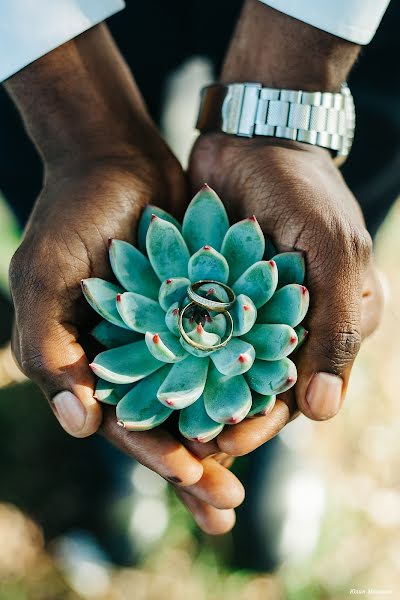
(247, 109)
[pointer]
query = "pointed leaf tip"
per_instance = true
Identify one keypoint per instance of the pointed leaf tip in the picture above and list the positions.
(167, 250)
(243, 245)
(205, 221)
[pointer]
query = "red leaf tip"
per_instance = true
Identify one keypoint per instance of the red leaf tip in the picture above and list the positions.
(290, 379)
(110, 241)
(210, 291)
(253, 218)
(199, 328)
(208, 319)
(169, 402)
(242, 358)
(205, 186)
(303, 290)
(118, 297)
(153, 217)
(246, 307)
(233, 420)
(293, 339)
(272, 263)
(156, 338)
(168, 280)
(206, 247)
(175, 311)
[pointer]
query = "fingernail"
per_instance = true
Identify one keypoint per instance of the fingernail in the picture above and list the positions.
(324, 395)
(70, 412)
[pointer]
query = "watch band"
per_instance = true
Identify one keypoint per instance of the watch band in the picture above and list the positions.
(247, 109)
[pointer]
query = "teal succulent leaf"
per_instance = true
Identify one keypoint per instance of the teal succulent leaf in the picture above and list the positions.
(226, 399)
(302, 334)
(140, 409)
(125, 364)
(111, 336)
(148, 370)
(196, 425)
(261, 405)
(145, 220)
(172, 319)
(235, 358)
(140, 313)
(244, 315)
(207, 263)
(173, 291)
(184, 383)
(205, 221)
(258, 282)
(291, 268)
(215, 323)
(132, 269)
(165, 347)
(199, 335)
(272, 341)
(111, 393)
(213, 291)
(243, 245)
(272, 377)
(101, 296)
(288, 305)
(270, 249)
(166, 249)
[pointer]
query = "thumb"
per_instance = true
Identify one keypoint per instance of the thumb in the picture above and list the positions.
(325, 362)
(49, 354)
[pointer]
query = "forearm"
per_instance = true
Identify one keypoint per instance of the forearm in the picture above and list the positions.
(279, 51)
(80, 99)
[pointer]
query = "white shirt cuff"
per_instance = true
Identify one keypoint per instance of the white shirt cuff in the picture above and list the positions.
(30, 29)
(353, 20)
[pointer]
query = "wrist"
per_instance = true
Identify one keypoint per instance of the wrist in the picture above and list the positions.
(79, 102)
(279, 51)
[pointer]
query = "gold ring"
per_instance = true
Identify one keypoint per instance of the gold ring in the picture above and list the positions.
(212, 305)
(187, 339)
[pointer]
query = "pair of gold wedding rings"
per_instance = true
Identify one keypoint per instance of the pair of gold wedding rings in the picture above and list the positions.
(196, 300)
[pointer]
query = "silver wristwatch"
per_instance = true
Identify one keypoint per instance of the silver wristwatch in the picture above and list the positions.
(248, 109)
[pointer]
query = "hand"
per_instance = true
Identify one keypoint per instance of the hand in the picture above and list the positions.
(104, 161)
(302, 203)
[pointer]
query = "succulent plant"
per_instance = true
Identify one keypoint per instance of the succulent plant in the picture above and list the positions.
(148, 370)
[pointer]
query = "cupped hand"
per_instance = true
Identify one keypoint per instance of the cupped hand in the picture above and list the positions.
(82, 205)
(302, 203)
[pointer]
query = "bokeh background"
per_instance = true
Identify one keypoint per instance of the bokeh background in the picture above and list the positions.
(328, 516)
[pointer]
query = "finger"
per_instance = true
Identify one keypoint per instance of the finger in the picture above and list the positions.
(334, 322)
(156, 449)
(218, 486)
(210, 519)
(49, 354)
(200, 449)
(250, 434)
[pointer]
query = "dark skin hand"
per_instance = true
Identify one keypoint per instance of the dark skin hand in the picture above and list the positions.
(104, 161)
(302, 203)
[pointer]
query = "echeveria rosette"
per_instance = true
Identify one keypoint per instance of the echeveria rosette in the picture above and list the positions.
(148, 370)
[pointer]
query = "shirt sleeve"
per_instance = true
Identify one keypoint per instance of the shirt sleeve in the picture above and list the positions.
(31, 28)
(353, 20)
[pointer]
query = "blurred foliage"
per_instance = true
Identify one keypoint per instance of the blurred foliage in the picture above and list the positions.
(9, 236)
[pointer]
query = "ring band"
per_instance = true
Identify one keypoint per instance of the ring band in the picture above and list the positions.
(212, 305)
(187, 339)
